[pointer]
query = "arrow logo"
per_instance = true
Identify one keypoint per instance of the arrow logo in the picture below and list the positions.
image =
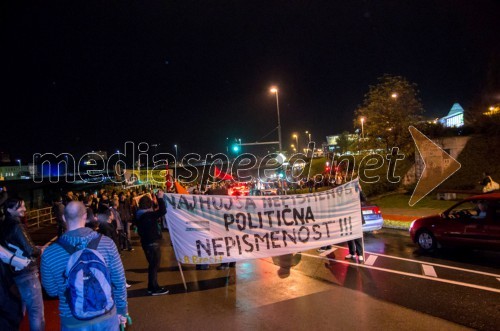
(438, 165)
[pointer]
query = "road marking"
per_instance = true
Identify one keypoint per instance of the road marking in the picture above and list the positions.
(433, 264)
(479, 287)
(325, 253)
(371, 260)
(429, 270)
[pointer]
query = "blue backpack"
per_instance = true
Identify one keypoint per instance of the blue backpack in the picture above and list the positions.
(88, 281)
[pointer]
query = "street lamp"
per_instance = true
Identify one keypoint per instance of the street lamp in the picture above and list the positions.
(394, 95)
(275, 91)
(296, 140)
(19, 161)
(309, 135)
(293, 147)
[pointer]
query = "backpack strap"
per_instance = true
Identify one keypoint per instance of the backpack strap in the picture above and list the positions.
(67, 247)
(94, 242)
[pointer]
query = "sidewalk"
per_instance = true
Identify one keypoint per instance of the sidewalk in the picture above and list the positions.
(256, 295)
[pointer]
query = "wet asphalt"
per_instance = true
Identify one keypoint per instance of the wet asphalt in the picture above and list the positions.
(308, 291)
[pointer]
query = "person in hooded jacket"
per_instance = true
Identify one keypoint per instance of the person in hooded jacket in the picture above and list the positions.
(55, 260)
(15, 238)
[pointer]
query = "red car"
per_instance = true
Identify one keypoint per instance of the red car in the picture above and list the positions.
(473, 222)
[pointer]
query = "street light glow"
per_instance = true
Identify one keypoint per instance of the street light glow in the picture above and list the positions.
(296, 139)
(309, 135)
(274, 90)
(394, 95)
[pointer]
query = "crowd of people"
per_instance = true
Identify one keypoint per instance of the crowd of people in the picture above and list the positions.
(81, 218)
(98, 224)
(101, 222)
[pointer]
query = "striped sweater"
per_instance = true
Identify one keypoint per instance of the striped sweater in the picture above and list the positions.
(55, 259)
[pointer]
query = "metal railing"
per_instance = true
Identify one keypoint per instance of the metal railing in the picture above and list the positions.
(39, 216)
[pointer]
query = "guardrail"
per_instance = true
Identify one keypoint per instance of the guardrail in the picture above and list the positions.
(39, 216)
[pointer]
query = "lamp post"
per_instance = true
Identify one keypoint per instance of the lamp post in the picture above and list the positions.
(309, 135)
(275, 91)
(296, 141)
(19, 161)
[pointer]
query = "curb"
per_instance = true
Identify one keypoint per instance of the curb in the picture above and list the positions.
(399, 222)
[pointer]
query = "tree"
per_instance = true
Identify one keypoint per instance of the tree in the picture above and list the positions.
(389, 108)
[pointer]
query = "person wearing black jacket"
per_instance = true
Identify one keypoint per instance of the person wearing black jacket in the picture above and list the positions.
(149, 230)
(356, 245)
(15, 238)
(11, 312)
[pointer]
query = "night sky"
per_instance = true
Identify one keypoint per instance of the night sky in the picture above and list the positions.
(86, 75)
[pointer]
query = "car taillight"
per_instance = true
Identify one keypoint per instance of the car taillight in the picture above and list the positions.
(376, 210)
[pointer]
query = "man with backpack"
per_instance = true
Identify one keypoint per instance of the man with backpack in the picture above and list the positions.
(85, 270)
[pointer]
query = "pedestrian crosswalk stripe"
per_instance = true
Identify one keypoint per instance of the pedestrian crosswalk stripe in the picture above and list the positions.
(429, 270)
(325, 253)
(371, 260)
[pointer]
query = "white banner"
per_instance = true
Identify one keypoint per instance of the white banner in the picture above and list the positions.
(207, 229)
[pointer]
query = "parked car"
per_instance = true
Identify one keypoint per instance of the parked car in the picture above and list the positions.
(373, 218)
(473, 222)
(269, 191)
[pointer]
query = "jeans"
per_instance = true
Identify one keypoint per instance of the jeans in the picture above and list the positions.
(31, 294)
(108, 322)
(355, 246)
(125, 238)
(153, 255)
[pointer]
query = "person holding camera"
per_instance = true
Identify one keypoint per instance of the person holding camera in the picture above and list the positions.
(149, 229)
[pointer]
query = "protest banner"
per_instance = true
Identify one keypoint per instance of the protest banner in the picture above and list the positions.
(215, 229)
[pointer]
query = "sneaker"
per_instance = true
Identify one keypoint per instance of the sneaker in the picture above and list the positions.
(350, 256)
(321, 250)
(360, 258)
(127, 285)
(159, 291)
